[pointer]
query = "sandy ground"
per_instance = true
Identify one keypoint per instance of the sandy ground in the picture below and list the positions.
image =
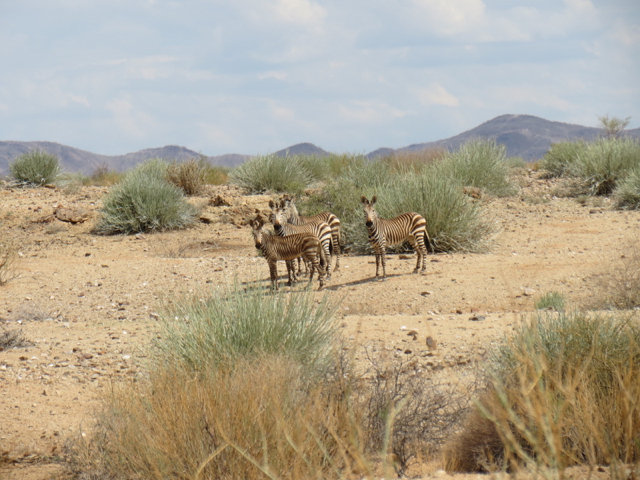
(88, 304)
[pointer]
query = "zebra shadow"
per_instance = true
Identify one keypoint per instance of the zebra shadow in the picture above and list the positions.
(361, 282)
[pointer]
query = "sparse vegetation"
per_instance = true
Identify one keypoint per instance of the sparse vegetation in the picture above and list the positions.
(12, 338)
(103, 176)
(35, 168)
(551, 300)
(564, 391)
(613, 126)
(621, 285)
(145, 201)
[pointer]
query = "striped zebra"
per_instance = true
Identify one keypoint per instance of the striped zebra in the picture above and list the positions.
(382, 233)
(294, 218)
(276, 248)
(321, 230)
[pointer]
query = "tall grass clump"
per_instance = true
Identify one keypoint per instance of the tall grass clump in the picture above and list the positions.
(103, 176)
(272, 173)
(35, 168)
(479, 163)
(145, 201)
(627, 195)
(187, 175)
(565, 391)
(236, 322)
(605, 163)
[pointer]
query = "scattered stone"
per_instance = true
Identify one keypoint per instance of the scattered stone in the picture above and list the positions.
(528, 291)
(413, 333)
(431, 343)
(220, 201)
(425, 293)
(477, 318)
(71, 215)
(405, 257)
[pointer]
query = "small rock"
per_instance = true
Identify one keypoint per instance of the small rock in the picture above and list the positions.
(477, 318)
(413, 333)
(431, 343)
(71, 215)
(405, 257)
(528, 292)
(425, 293)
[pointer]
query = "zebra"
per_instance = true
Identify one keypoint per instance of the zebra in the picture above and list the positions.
(321, 230)
(382, 233)
(294, 218)
(276, 248)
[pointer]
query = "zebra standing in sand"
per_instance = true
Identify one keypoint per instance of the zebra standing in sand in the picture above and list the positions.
(382, 233)
(294, 218)
(276, 248)
(322, 230)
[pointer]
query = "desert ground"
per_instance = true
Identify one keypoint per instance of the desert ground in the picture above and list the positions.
(87, 305)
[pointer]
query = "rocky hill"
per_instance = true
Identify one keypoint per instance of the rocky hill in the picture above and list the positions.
(524, 136)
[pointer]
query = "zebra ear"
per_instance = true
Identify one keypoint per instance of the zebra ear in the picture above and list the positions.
(271, 204)
(283, 203)
(364, 200)
(373, 199)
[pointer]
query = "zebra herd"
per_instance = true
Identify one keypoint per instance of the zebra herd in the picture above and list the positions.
(315, 240)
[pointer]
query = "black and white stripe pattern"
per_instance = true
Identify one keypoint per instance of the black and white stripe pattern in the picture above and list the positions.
(288, 248)
(385, 233)
(321, 230)
(294, 218)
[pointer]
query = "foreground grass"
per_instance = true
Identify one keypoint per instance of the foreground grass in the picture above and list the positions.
(565, 390)
(35, 168)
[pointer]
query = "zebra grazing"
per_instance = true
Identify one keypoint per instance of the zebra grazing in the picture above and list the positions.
(294, 218)
(276, 248)
(321, 230)
(382, 233)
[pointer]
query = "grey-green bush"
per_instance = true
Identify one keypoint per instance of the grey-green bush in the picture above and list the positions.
(35, 168)
(604, 163)
(454, 222)
(218, 327)
(627, 195)
(558, 160)
(145, 201)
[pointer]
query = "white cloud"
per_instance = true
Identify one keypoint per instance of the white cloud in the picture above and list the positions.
(450, 17)
(129, 121)
(278, 75)
(435, 94)
(300, 11)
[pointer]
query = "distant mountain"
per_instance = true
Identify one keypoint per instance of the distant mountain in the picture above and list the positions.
(302, 149)
(76, 160)
(524, 136)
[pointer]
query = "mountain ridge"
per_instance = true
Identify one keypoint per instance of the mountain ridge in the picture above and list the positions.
(525, 136)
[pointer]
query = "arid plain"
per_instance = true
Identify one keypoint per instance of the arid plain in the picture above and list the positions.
(87, 306)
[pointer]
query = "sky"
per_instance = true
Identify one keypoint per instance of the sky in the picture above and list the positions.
(255, 76)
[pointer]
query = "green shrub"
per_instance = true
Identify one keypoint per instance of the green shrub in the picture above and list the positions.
(561, 156)
(454, 222)
(145, 201)
(564, 390)
(479, 163)
(234, 322)
(604, 163)
(554, 300)
(272, 173)
(627, 195)
(35, 168)
(103, 176)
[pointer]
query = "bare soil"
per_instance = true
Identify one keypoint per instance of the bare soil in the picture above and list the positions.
(87, 305)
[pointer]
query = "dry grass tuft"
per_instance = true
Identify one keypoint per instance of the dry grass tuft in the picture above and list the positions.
(12, 338)
(7, 263)
(189, 176)
(621, 287)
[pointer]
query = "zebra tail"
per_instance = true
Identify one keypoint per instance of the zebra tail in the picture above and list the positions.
(427, 242)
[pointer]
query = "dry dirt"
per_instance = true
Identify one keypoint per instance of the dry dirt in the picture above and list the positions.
(88, 304)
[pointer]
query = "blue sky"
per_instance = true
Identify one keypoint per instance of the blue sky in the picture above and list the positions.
(255, 76)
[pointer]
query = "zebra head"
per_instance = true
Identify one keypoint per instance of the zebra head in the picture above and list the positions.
(290, 210)
(278, 215)
(257, 229)
(370, 213)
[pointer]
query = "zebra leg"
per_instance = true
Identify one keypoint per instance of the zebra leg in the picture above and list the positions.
(291, 272)
(315, 265)
(383, 258)
(417, 247)
(326, 258)
(273, 271)
(336, 249)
